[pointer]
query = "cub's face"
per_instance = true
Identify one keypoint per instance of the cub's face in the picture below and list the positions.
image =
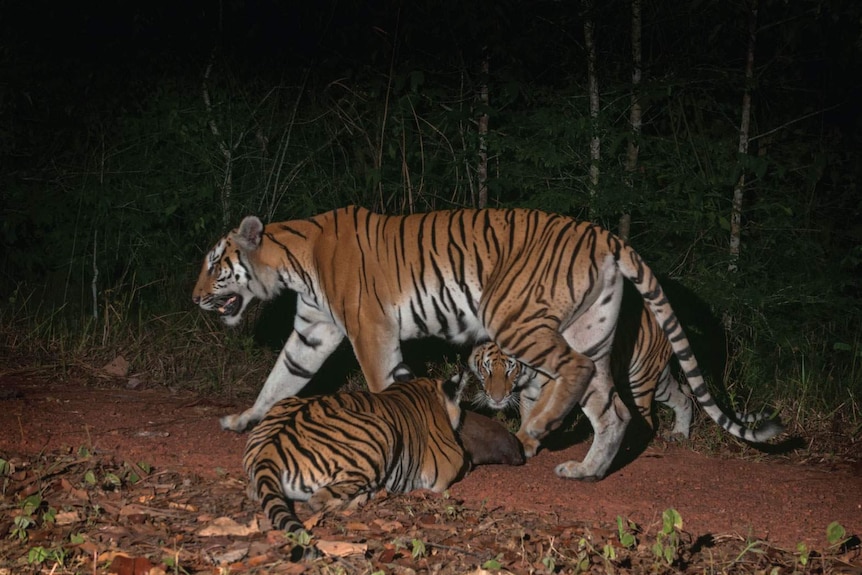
(497, 372)
(223, 284)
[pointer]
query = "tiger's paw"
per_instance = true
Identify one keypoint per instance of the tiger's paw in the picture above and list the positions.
(238, 422)
(574, 470)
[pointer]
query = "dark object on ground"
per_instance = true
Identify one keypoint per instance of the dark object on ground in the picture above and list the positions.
(487, 441)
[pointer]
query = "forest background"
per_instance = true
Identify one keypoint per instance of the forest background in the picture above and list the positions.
(133, 135)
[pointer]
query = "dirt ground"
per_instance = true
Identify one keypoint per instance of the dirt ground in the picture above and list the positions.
(174, 439)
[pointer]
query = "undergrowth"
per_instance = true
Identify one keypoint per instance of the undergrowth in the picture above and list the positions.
(818, 401)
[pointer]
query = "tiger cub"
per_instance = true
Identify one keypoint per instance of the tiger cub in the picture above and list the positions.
(506, 382)
(336, 449)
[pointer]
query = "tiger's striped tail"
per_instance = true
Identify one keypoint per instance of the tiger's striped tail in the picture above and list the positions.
(633, 268)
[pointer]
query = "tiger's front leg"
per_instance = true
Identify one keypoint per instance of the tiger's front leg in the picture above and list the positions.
(301, 357)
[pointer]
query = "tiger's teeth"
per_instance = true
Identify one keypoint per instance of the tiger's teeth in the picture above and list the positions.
(223, 309)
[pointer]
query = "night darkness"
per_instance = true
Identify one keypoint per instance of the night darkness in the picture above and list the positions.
(79, 78)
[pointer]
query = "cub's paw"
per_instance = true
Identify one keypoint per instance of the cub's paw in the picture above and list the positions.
(529, 443)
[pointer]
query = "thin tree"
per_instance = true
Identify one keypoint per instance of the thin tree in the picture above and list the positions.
(634, 117)
(593, 88)
(744, 138)
(482, 162)
(226, 149)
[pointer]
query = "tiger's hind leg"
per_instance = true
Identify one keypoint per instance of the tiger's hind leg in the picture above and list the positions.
(349, 494)
(671, 393)
(609, 417)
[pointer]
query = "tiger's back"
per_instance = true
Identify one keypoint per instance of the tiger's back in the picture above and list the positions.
(329, 450)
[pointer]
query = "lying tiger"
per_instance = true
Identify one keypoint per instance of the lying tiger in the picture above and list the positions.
(506, 382)
(334, 450)
(545, 287)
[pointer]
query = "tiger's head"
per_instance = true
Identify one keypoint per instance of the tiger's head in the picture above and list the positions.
(232, 274)
(498, 373)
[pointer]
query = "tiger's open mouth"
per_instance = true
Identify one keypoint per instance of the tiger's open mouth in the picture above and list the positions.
(229, 306)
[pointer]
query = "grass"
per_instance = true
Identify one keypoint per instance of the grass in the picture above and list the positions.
(184, 350)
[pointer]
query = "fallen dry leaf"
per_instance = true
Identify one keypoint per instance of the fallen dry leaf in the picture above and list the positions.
(117, 367)
(341, 548)
(222, 526)
(312, 521)
(388, 526)
(67, 518)
(233, 554)
(182, 507)
(357, 526)
(122, 565)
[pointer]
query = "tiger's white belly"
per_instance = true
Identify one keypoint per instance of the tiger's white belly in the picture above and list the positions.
(450, 318)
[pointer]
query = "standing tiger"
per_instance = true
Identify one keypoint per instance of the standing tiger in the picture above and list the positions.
(545, 287)
(506, 382)
(334, 449)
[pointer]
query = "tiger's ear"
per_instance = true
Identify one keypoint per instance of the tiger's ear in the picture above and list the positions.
(249, 234)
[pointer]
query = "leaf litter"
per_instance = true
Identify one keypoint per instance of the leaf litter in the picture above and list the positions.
(84, 512)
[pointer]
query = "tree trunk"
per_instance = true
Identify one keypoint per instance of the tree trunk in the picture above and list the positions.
(593, 88)
(482, 164)
(634, 118)
(226, 185)
(744, 136)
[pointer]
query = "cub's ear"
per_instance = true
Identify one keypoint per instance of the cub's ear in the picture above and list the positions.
(402, 372)
(454, 386)
(249, 233)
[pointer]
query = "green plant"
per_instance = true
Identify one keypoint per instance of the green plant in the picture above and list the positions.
(495, 563)
(418, 549)
(666, 546)
(38, 555)
(802, 554)
(581, 561)
(172, 563)
(625, 534)
(20, 525)
(836, 535)
(28, 517)
(5, 471)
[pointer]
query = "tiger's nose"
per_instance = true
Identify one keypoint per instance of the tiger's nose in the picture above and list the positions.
(196, 299)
